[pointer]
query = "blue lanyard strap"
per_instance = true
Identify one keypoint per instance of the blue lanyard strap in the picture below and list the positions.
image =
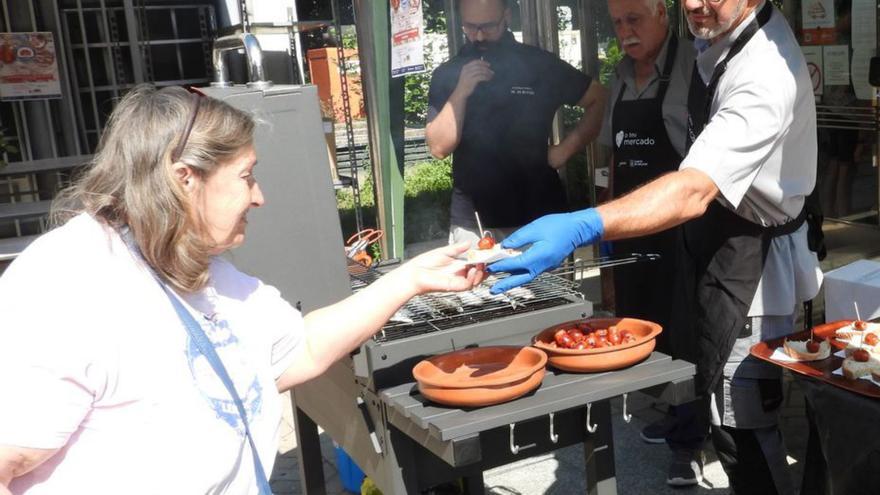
(197, 334)
(207, 348)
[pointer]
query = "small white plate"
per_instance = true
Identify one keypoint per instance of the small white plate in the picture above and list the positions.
(497, 253)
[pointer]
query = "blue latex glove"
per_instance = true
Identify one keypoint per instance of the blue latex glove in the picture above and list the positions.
(553, 237)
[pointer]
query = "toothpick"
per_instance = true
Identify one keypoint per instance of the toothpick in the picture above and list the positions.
(479, 225)
(859, 318)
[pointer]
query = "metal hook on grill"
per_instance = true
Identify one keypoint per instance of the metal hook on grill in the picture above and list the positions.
(626, 417)
(553, 436)
(590, 428)
(514, 448)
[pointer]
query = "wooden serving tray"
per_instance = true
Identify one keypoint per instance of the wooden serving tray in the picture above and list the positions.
(820, 370)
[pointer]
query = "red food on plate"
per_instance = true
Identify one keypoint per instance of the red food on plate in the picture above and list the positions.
(486, 243)
(812, 346)
(860, 325)
(872, 339)
(861, 355)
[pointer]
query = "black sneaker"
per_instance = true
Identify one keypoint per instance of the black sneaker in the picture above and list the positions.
(656, 432)
(686, 468)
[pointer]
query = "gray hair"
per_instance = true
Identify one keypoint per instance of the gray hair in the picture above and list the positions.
(130, 180)
(652, 5)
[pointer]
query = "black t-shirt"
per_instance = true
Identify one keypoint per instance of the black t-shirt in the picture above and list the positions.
(501, 161)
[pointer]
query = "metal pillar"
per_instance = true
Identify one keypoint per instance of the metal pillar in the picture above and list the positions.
(134, 41)
(528, 15)
(454, 36)
(384, 119)
(297, 51)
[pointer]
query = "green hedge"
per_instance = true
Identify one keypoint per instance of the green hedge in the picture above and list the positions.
(427, 189)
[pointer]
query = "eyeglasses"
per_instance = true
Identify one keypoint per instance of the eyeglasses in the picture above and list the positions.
(487, 28)
(195, 102)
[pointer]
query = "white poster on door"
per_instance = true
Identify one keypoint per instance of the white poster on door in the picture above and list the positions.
(864, 24)
(861, 63)
(407, 39)
(818, 22)
(813, 56)
(835, 62)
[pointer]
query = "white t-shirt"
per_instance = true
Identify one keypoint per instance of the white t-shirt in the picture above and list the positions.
(94, 361)
(759, 147)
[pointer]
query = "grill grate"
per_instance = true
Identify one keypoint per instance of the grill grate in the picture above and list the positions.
(440, 311)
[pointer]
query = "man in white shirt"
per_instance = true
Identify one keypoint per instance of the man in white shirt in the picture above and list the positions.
(739, 194)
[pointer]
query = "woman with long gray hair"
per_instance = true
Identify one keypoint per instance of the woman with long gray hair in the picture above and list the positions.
(133, 359)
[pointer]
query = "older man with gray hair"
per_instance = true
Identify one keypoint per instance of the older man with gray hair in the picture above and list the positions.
(645, 126)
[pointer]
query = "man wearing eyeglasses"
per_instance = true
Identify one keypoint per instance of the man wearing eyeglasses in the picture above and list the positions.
(492, 107)
(645, 126)
(744, 262)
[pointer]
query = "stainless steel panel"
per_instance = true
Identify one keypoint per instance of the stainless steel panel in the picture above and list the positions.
(294, 242)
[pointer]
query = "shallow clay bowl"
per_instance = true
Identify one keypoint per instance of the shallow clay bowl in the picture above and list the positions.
(604, 358)
(480, 376)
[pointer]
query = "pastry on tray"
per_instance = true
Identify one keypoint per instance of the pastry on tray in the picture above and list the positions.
(807, 350)
(860, 363)
(857, 328)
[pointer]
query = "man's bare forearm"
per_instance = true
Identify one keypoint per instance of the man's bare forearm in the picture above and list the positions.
(443, 134)
(663, 203)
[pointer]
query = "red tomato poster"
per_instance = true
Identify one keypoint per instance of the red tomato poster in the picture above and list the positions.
(28, 67)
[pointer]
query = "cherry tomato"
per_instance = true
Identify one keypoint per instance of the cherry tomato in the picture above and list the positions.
(812, 346)
(590, 341)
(860, 325)
(614, 338)
(7, 52)
(861, 355)
(872, 339)
(576, 334)
(486, 243)
(559, 335)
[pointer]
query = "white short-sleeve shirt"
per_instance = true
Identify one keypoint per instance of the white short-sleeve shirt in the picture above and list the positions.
(95, 362)
(759, 147)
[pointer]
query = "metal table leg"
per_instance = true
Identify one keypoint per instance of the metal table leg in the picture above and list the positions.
(473, 485)
(599, 451)
(311, 463)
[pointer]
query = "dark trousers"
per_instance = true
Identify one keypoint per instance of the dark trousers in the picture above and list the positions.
(743, 461)
(737, 449)
(691, 427)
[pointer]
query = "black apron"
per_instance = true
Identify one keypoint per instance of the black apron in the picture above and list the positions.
(721, 255)
(645, 152)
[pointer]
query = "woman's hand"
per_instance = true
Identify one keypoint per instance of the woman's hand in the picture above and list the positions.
(333, 331)
(439, 270)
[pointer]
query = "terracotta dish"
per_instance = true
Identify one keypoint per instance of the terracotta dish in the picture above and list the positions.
(480, 376)
(605, 358)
